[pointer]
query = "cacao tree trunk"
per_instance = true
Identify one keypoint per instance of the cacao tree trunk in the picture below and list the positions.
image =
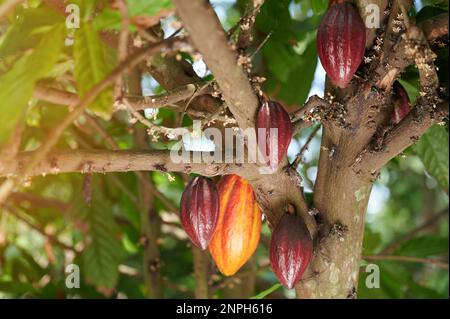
(341, 196)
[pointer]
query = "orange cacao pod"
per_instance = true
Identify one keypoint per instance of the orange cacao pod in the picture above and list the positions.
(290, 250)
(199, 209)
(239, 226)
(341, 40)
(401, 101)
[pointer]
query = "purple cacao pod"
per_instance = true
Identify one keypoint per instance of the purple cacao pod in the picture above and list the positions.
(273, 147)
(291, 249)
(341, 41)
(402, 105)
(200, 210)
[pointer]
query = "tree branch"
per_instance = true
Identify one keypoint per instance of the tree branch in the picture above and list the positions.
(210, 39)
(435, 27)
(299, 156)
(122, 45)
(406, 133)
(138, 103)
(55, 96)
(40, 202)
(304, 117)
(429, 109)
(408, 236)
(246, 24)
(101, 161)
(51, 238)
(410, 259)
(150, 224)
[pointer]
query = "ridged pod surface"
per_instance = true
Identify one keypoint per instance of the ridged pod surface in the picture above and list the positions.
(402, 105)
(199, 210)
(341, 40)
(272, 115)
(239, 226)
(291, 249)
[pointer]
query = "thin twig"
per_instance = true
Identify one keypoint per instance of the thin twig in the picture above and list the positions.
(101, 130)
(153, 129)
(52, 239)
(10, 150)
(167, 99)
(299, 156)
(261, 45)
(435, 262)
(122, 46)
(411, 234)
(37, 201)
(246, 24)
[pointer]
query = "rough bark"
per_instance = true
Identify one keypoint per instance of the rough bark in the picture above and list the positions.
(341, 198)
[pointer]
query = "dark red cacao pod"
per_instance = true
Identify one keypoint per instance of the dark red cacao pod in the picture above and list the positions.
(200, 210)
(291, 249)
(272, 115)
(341, 41)
(402, 105)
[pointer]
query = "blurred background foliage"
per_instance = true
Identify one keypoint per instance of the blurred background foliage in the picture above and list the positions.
(48, 224)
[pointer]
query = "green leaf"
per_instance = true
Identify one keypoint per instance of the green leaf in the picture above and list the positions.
(112, 20)
(433, 151)
(267, 292)
(424, 246)
(372, 241)
(147, 7)
(18, 83)
(275, 18)
(15, 288)
(103, 252)
(91, 67)
(28, 29)
(411, 89)
(282, 59)
(295, 90)
(319, 6)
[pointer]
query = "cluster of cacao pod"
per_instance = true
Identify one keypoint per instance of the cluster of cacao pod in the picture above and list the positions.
(227, 219)
(341, 40)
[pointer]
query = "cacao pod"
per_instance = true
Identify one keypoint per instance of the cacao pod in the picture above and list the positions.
(200, 210)
(290, 250)
(239, 226)
(274, 147)
(341, 40)
(401, 101)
